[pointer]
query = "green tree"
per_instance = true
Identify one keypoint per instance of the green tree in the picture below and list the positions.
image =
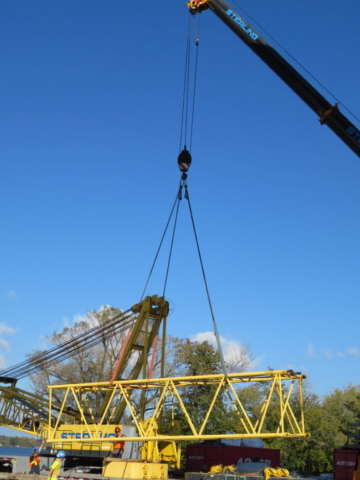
(344, 406)
(202, 359)
(325, 419)
(94, 364)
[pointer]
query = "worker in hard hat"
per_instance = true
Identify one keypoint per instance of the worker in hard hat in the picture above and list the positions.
(119, 446)
(34, 462)
(56, 465)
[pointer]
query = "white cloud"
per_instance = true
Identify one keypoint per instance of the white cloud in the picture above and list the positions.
(4, 345)
(330, 354)
(325, 352)
(76, 319)
(226, 345)
(2, 362)
(90, 319)
(66, 322)
(234, 352)
(5, 329)
(311, 350)
(354, 352)
(204, 337)
(12, 294)
(255, 362)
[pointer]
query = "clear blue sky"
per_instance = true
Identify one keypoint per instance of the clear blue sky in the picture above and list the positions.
(90, 96)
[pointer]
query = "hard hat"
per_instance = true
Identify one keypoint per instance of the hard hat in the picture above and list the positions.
(117, 429)
(61, 454)
(36, 450)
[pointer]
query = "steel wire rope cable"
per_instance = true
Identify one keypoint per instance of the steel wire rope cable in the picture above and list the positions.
(206, 284)
(296, 61)
(66, 345)
(81, 346)
(179, 197)
(76, 347)
(186, 87)
(184, 177)
(161, 242)
(177, 205)
(61, 351)
(183, 135)
(197, 33)
(185, 99)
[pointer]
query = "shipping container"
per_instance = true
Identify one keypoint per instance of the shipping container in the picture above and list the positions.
(344, 464)
(200, 458)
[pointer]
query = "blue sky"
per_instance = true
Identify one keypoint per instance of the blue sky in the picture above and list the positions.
(90, 116)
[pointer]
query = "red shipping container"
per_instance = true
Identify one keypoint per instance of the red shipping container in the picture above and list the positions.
(344, 464)
(200, 458)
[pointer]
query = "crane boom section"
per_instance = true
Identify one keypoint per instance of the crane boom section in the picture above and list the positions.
(329, 114)
(133, 359)
(26, 411)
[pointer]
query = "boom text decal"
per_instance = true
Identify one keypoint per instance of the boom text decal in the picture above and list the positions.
(355, 133)
(242, 24)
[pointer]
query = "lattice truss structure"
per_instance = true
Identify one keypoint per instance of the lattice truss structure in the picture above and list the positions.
(284, 393)
(25, 411)
(31, 413)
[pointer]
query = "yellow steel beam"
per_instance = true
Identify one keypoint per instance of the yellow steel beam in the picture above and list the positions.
(289, 424)
(26, 412)
(151, 312)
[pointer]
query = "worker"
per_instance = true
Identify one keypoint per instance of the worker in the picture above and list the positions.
(119, 446)
(56, 465)
(34, 462)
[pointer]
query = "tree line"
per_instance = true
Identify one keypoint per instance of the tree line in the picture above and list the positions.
(24, 442)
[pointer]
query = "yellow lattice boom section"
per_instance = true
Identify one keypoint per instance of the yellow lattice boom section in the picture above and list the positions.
(280, 392)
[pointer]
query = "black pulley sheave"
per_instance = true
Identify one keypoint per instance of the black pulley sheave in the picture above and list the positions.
(184, 160)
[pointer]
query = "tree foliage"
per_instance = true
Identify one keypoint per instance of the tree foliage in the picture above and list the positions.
(94, 364)
(201, 359)
(325, 419)
(23, 442)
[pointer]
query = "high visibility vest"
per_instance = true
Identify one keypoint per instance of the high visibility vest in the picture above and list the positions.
(55, 467)
(34, 460)
(119, 445)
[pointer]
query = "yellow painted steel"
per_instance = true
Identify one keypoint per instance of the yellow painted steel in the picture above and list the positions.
(68, 437)
(197, 6)
(152, 311)
(119, 468)
(291, 420)
(26, 412)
